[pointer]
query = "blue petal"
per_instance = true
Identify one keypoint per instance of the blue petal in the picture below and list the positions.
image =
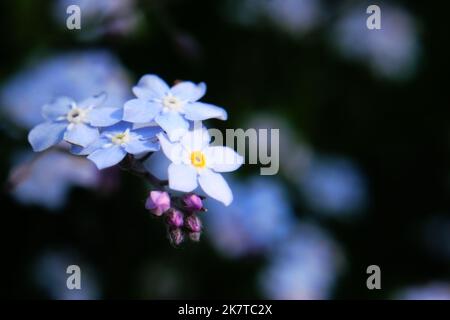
(93, 101)
(140, 111)
(201, 111)
(140, 146)
(46, 134)
(81, 134)
(147, 132)
(117, 128)
(173, 123)
(107, 157)
(84, 151)
(151, 87)
(189, 91)
(58, 108)
(103, 117)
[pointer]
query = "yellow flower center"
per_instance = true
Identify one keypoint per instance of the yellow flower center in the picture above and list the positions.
(172, 103)
(121, 138)
(198, 159)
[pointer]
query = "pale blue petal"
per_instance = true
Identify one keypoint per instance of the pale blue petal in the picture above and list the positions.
(173, 123)
(46, 134)
(201, 111)
(107, 157)
(84, 151)
(182, 177)
(151, 87)
(147, 132)
(140, 111)
(58, 108)
(93, 101)
(215, 186)
(189, 91)
(103, 117)
(140, 146)
(81, 134)
(117, 128)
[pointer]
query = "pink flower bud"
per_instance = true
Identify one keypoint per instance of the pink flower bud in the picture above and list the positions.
(175, 218)
(193, 223)
(158, 202)
(193, 202)
(176, 236)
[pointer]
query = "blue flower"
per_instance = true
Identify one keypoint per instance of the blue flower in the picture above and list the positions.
(73, 122)
(115, 142)
(259, 218)
(171, 108)
(304, 267)
(77, 74)
(47, 179)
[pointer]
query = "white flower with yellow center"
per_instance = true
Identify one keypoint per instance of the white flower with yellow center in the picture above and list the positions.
(195, 162)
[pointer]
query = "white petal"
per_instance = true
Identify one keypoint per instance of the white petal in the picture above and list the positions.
(188, 91)
(215, 186)
(182, 177)
(196, 139)
(151, 87)
(173, 151)
(198, 111)
(173, 123)
(223, 159)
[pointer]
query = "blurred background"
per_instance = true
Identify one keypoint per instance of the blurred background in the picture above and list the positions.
(364, 150)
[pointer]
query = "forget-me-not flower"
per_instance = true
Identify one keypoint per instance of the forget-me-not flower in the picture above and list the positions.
(73, 122)
(115, 142)
(195, 162)
(75, 74)
(170, 108)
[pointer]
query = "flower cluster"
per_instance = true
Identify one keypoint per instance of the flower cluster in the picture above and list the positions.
(160, 117)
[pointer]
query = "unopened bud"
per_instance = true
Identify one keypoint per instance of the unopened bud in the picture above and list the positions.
(193, 202)
(158, 202)
(193, 223)
(176, 236)
(175, 218)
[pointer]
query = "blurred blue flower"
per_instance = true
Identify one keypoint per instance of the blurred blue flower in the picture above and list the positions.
(333, 186)
(392, 51)
(293, 16)
(304, 267)
(259, 217)
(49, 274)
(171, 108)
(45, 179)
(431, 291)
(100, 17)
(116, 141)
(76, 74)
(74, 122)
